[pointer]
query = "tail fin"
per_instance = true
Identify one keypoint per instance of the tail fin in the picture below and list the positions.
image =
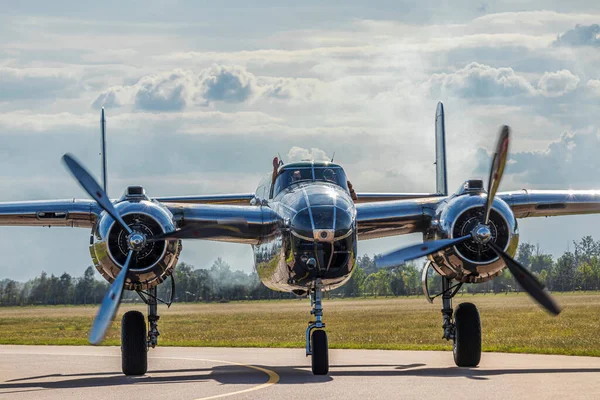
(441, 178)
(103, 154)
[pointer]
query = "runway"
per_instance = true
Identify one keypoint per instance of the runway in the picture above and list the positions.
(76, 372)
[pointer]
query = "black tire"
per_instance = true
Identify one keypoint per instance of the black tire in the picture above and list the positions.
(134, 349)
(467, 336)
(320, 353)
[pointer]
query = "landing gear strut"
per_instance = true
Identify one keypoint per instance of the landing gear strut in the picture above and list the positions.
(464, 330)
(316, 337)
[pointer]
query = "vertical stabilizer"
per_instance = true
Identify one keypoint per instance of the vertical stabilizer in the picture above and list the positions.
(103, 154)
(441, 179)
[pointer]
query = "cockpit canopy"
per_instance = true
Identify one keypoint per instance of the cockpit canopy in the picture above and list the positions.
(290, 174)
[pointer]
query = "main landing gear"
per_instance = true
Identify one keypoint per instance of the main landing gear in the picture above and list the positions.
(135, 342)
(464, 330)
(316, 337)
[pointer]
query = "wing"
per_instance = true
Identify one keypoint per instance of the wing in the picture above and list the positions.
(378, 197)
(72, 213)
(548, 203)
(225, 223)
(392, 218)
(231, 199)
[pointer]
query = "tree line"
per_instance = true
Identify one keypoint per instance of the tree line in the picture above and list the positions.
(573, 270)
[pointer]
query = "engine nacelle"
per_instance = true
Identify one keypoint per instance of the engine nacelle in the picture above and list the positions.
(149, 266)
(470, 261)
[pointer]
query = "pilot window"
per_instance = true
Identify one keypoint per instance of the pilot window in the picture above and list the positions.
(287, 177)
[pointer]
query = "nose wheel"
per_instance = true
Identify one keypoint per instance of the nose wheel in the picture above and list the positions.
(467, 335)
(463, 327)
(316, 338)
(134, 348)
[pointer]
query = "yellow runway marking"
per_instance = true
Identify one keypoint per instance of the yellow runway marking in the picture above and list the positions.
(273, 376)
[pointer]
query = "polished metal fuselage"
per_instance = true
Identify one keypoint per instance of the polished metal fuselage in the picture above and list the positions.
(317, 239)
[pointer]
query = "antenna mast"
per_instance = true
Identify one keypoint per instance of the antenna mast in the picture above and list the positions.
(103, 154)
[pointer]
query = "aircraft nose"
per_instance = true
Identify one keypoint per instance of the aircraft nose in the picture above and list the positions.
(322, 223)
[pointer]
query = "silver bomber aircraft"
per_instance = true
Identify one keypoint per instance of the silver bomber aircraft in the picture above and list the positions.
(304, 222)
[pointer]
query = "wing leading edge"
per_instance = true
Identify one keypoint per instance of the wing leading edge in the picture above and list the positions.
(549, 203)
(71, 213)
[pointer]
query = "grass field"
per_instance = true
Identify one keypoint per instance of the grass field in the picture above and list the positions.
(511, 323)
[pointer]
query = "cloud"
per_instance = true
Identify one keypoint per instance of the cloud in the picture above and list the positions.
(300, 154)
(571, 162)
(554, 84)
(478, 80)
(178, 89)
(581, 35)
(34, 83)
(108, 99)
(165, 92)
(229, 84)
(594, 86)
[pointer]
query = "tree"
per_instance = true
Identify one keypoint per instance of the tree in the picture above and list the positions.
(524, 254)
(563, 275)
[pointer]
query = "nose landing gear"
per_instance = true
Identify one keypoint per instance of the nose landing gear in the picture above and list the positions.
(135, 340)
(316, 337)
(464, 330)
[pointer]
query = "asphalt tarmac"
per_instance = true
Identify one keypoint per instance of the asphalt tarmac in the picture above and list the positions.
(78, 372)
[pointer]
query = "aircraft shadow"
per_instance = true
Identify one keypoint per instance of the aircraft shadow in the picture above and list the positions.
(226, 374)
(290, 375)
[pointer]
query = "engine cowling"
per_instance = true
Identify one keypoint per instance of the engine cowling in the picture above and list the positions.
(151, 264)
(470, 261)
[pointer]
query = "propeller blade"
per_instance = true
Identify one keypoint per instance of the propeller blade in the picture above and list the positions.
(398, 257)
(202, 231)
(527, 281)
(497, 170)
(89, 184)
(110, 304)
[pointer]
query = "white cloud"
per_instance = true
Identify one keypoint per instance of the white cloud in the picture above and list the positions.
(571, 162)
(477, 80)
(581, 35)
(594, 86)
(554, 84)
(231, 84)
(175, 90)
(300, 154)
(35, 83)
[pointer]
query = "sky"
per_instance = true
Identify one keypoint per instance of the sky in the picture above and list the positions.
(201, 96)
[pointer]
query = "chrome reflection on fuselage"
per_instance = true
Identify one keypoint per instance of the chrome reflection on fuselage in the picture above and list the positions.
(318, 239)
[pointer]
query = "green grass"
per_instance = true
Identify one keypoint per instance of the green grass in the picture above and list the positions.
(511, 323)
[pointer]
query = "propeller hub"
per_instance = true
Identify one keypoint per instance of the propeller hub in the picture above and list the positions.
(136, 241)
(482, 234)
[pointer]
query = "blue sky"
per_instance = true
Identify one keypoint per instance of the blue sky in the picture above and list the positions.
(201, 96)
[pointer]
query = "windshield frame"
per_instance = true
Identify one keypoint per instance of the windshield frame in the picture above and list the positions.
(309, 173)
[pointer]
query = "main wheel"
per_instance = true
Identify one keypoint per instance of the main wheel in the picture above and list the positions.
(134, 349)
(467, 335)
(320, 352)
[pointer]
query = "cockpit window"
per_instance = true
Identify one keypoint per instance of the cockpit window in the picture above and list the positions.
(331, 174)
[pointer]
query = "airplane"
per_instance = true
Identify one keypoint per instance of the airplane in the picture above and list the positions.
(304, 222)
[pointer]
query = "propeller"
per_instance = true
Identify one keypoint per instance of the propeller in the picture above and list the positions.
(112, 299)
(527, 281)
(482, 235)
(110, 305)
(89, 184)
(497, 170)
(405, 254)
